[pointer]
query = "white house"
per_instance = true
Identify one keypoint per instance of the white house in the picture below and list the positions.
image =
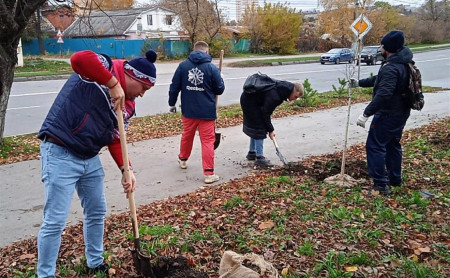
(153, 22)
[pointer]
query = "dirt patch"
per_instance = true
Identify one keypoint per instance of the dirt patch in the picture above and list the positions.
(439, 141)
(176, 268)
(331, 165)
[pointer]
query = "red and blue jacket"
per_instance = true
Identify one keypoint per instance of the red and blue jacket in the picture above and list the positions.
(82, 117)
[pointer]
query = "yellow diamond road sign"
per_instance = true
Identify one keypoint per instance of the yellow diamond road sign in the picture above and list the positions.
(361, 26)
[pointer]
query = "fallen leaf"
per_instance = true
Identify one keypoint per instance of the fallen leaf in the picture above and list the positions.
(266, 225)
(421, 236)
(414, 257)
(425, 249)
(351, 268)
(27, 256)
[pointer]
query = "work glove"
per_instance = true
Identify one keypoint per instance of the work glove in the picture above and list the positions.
(362, 119)
(353, 83)
(172, 109)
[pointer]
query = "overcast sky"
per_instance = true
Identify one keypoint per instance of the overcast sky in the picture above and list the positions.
(229, 6)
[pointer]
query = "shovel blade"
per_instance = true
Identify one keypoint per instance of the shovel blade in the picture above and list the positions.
(142, 263)
(281, 157)
(217, 140)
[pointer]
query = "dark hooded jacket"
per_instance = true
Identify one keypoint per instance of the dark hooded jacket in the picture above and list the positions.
(258, 108)
(391, 81)
(199, 82)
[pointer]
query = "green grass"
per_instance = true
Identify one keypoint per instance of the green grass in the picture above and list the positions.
(271, 61)
(41, 67)
(234, 202)
(306, 249)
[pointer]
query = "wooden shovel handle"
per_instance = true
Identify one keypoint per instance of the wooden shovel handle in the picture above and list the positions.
(275, 142)
(221, 59)
(126, 165)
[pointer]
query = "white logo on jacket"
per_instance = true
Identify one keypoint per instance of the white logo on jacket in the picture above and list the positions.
(195, 76)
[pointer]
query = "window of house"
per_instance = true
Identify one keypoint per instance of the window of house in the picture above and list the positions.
(149, 19)
(169, 19)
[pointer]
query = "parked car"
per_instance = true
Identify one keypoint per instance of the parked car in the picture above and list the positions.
(337, 55)
(371, 54)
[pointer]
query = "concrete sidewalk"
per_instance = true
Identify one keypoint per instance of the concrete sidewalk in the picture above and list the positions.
(158, 173)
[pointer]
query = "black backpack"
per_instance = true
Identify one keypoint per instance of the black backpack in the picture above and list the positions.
(413, 95)
(259, 82)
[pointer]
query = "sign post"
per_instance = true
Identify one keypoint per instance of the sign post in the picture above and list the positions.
(60, 41)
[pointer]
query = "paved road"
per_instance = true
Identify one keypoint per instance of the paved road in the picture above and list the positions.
(159, 176)
(30, 101)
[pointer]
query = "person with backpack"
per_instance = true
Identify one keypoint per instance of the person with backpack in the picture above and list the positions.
(257, 107)
(81, 121)
(390, 112)
(200, 82)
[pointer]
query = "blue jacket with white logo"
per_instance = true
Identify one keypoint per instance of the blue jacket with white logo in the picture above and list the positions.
(81, 118)
(199, 82)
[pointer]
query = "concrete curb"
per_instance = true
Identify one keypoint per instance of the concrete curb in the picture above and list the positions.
(41, 78)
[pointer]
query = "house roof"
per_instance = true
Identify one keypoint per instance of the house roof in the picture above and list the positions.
(104, 23)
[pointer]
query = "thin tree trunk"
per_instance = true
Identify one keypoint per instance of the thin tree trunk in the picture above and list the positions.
(39, 32)
(7, 64)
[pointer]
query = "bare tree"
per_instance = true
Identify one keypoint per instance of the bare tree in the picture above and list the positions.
(14, 16)
(210, 22)
(202, 19)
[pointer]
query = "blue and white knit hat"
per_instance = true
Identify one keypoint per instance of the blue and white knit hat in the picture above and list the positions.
(142, 69)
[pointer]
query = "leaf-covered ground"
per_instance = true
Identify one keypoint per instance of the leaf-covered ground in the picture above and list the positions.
(304, 227)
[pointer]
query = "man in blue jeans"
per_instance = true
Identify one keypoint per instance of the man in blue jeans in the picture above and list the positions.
(390, 111)
(82, 121)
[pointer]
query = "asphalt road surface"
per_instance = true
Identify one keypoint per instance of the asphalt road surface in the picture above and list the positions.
(30, 101)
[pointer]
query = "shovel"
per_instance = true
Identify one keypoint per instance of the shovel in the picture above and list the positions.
(218, 135)
(141, 262)
(279, 154)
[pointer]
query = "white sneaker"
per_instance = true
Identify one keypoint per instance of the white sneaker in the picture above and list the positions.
(183, 163)
(211, 178)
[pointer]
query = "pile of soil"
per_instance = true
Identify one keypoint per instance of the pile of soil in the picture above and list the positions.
(166, 267)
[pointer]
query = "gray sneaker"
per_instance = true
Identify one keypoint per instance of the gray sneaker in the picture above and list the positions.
(183, 163)
(262, 162)
(211, 178)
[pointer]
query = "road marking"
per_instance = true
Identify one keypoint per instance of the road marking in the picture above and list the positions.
(25, 107)
(34, 94)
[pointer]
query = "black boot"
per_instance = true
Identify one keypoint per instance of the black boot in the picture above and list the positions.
(103, 268)
(383, 189)
(251, 156)
(262, 162)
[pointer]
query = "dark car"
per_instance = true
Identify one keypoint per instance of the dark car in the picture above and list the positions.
(371, 55)
(337, 55)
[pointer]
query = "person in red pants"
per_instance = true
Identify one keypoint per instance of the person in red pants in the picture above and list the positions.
(199, 82)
